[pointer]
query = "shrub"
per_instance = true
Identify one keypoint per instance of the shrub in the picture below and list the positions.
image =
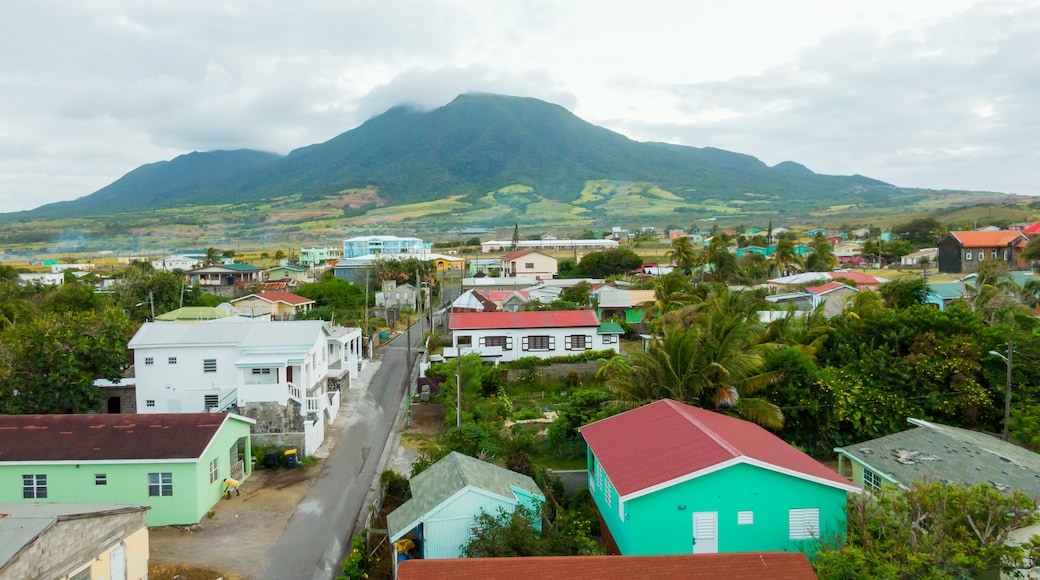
(358, 562)
(396, 485)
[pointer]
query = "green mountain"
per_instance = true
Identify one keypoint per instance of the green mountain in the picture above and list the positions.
(476, 144)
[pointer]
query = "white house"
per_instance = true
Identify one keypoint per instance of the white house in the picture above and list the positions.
(506, 336)
(285, 375)
(529, 263)
(177, 262)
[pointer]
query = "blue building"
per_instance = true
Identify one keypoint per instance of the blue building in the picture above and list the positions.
(365, 245)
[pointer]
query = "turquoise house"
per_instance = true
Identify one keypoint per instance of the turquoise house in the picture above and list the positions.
(175, 462)
(669, 478)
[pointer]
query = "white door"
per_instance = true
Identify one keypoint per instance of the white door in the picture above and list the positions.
(705, 532)
(117, 563)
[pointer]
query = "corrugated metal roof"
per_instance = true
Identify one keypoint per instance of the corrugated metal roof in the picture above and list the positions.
(286, 297)
(107, 437)
(448, 476)
(538, 319)
(667, 440)
(997, 239)
(942, 453)
(742, 566)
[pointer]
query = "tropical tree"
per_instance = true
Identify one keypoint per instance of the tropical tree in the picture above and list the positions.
(785, 257)
(821, 259)
(721, 264)
(682, 254)
(213, 256)
(279, 255)
(716, 363)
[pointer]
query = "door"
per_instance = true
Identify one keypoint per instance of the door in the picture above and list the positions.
(117, 563)
(705, 532)
(288, 374)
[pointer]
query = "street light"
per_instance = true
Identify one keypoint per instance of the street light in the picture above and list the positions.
(1009, 361)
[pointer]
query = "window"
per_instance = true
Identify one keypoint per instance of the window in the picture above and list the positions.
(209, 365)
(610, 338)
(967, 256)
(982, 255)
(578, 342)
(100, 479)
(529, 265)
(993, 254)
(1005, 254)
(804, 523)
(160, 484)
(259, 372)
(505, 342)
(210, 401)
(83, 574)
(465, 340)
(172, 360)
(213, 471)
(745, 518)
(149, 403)
(871, 480)
(539, 343)
(34, 486)
(149, 360)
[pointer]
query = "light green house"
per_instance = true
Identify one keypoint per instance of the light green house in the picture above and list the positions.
(176, 462)
(669, 478)
(450, 494)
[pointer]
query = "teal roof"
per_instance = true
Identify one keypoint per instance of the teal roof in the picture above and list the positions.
(947, 290)
(444, 479)
(610, 327)
(240, 267)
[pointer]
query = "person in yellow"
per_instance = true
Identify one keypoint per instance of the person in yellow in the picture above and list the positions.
(231, 484)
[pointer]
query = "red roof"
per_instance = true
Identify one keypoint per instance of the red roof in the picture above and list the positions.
(502, 295)
(996, 239)
(740, 566)
(1033, 229)
(287, 297)
(106, 437)
(516, 254)
(859, 278)
(668, 440)
(824, 288)
(541, 319)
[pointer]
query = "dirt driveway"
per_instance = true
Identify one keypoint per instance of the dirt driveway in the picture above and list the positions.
(235, 540)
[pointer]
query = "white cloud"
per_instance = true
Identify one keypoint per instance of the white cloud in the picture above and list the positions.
(929, 93)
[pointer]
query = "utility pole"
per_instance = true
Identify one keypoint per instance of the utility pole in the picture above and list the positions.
(1007, 393)
(458, 385)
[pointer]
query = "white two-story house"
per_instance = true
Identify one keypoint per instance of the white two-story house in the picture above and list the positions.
(507, 336)
(285, 375)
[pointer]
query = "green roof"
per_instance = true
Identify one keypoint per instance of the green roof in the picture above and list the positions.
(290, 267)
(947, 290)
(450, 475)
(195, 313)
(610, 327)
(239, 267)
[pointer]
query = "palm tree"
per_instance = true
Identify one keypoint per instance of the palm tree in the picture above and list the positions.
(671, 291)
(213, 256)
(682, 253)
(784, 257)
(279, 255)
(821, 259)
(721, 262)
(716, 363)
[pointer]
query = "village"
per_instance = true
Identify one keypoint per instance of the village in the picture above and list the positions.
(763, 403)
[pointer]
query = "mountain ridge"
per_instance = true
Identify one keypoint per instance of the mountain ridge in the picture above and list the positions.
(477, 144)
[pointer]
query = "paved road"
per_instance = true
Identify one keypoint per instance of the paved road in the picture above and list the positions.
(311, 547)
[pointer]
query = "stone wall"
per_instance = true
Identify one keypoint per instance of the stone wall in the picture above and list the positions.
(556, 371)
(71, 543)
(274, 418)
(127, 397)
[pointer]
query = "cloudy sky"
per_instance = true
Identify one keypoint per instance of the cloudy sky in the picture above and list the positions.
(939, 94)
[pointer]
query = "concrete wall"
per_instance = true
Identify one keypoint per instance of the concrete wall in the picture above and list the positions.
(71, 546)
